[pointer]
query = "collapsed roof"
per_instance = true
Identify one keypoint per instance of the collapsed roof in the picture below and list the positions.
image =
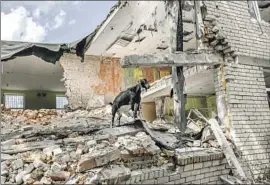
(49, 52)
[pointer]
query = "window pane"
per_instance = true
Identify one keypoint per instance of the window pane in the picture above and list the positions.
(14, 101)
(61, 101)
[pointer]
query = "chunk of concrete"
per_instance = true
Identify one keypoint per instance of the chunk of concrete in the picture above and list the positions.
(98, 157)
(50, 150)
(207, 134)
(16, 164)
(3, 179)
(79, 150)
(29, 168)
(197, 143)
(5, 157)
(38, 163)
(26, 178)
(214, 143)
(4, 172)
(19, 177)
(45, 180)
(60, 176)
(56, 167)
(140, 144)
(91, 143)
(8, 142)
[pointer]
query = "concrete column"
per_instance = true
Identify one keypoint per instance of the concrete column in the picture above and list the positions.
(160, 107)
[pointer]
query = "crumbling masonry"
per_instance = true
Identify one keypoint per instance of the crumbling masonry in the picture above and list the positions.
(242, 41)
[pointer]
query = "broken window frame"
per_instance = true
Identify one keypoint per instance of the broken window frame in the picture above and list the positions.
(60, 96)
(254, 9)
(14, 107)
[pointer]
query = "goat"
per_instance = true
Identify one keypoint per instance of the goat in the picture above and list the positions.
(132, 97)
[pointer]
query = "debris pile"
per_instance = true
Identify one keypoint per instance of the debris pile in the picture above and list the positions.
(73, 147)
(80, 147)
(41, 116)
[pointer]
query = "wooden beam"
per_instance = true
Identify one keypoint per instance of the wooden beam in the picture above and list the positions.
(225, 147)
(171, 59)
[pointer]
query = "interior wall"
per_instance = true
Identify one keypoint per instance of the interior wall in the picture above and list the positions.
(97, 80)
(205, 104)
(32, 101)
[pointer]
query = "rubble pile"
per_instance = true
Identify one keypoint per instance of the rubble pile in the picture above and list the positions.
(71, 146)
(80, 147)
(41, 116)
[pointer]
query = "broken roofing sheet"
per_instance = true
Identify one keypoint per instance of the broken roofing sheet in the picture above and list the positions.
(48, 52)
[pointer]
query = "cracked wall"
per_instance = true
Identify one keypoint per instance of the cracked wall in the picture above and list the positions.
(91, 82)
(97, 80)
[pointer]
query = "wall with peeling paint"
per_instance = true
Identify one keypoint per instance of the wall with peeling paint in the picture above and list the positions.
(98, 80)
(132, 75)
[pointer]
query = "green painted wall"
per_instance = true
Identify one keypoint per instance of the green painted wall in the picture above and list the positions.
(212, 105)
(32, 101)
(205, 104)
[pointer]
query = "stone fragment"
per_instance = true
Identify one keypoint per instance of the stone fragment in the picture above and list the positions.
(57, 151)
(205, 145)
(5, 157)
(48, 173)
(56, 167)
(26, 178)
(60, 176)
(19, 177)
(4, 172)
(62, 158)
(3, 179)
(190, 144)
(8, 142)
(29, 168)
(73, 180)
(197, 143)
(50, 150)
(37, 174)
(213, 143)
(73, 155)
(38, 163)
(45, 180)
(91, 143)
(138, 145)
(207, 134)
(215, 29)
(98, 157)
(79, 150)
(16, 164)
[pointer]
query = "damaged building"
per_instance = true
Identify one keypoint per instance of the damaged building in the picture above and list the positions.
(224, 51)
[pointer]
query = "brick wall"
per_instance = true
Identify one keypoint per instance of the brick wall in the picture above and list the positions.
(191, 169)
(245, 95)
(243, 33)
(88, 83)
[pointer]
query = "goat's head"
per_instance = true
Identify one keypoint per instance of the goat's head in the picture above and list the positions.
(144, 84)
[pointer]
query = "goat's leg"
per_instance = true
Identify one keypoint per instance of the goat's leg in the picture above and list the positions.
(136, 108)
(114, 110)
(131, 101)
(119, 117)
